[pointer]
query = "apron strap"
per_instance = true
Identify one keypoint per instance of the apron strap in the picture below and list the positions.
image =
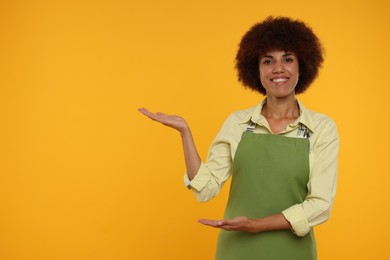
(251, 127)
(303, 131)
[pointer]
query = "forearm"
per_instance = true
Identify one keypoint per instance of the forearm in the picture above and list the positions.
(191, 155)
(274, 222)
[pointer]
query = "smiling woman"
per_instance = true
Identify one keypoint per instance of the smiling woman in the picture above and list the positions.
(279, 73)
(279, 34)
(281, 156)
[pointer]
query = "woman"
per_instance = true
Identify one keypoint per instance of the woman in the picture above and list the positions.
(282, 157)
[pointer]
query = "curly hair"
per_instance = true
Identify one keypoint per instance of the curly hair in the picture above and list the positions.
(280, 33)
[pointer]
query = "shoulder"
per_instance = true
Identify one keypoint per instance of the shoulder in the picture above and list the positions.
(242, 117)
(324, 127)
(317, 122)
(320, 120)
(237, 121)
(324, 124)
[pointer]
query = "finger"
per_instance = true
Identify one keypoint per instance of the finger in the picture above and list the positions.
(231, 222)
(143, 110)
(159, 118)
(209, 222)
(161, 114)
(146, 112)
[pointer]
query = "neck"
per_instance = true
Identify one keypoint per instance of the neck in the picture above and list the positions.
(281, 108)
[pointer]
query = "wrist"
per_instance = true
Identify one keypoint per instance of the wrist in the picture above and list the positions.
(185, 132)
(255, 226)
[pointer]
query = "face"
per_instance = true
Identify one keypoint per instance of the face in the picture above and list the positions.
(279, 73)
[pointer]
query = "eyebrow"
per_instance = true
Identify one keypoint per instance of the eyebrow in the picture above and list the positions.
(270, 56)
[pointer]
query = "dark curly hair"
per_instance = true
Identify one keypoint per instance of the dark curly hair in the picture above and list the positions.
(280, 33)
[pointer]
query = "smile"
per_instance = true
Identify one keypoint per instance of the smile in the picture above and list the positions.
(278, 80)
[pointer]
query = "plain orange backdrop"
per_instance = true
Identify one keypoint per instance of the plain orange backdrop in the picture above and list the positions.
(83, 175)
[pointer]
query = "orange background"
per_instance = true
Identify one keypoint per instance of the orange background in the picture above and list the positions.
(83, 175)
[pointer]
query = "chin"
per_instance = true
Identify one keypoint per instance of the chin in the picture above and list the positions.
(282, 94)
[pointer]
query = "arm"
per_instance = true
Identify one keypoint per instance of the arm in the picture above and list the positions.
(204, 179)
(316, 208)
(191, 156)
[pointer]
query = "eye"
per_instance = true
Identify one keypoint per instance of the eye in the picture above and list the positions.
(288, 60)
(267, 61)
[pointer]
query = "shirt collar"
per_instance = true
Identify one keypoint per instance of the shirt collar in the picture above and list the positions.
(255, 116)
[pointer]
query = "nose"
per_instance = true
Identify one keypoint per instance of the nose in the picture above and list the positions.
(278, 67)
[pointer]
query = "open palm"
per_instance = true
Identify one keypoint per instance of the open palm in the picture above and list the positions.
(174, 121)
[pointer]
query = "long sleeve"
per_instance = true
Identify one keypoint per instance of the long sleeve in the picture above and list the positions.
(214, 172)
(322, 184)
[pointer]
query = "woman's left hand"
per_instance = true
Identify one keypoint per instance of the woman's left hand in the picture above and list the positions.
(273, 222)
(235, 224)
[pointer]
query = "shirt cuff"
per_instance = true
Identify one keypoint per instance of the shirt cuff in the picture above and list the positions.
(297, 218)
(187, 181)
(200, 180)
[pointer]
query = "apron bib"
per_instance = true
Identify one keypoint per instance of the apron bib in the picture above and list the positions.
(270, 174)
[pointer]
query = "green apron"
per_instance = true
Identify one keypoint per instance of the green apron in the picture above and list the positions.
(270, 174)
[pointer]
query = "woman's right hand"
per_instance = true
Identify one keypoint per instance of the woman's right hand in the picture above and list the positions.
(173, 121)
(191, 155)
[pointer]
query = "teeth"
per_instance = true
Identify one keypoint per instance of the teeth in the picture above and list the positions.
(279, 80)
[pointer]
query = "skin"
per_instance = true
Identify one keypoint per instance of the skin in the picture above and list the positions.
(191, 155)
(279, 74)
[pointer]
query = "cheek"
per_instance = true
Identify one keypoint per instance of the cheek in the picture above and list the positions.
(297, 69)
(262, 72)
(294, 71)
(264, 82)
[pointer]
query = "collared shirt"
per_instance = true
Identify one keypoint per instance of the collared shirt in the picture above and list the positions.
(324, 146)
